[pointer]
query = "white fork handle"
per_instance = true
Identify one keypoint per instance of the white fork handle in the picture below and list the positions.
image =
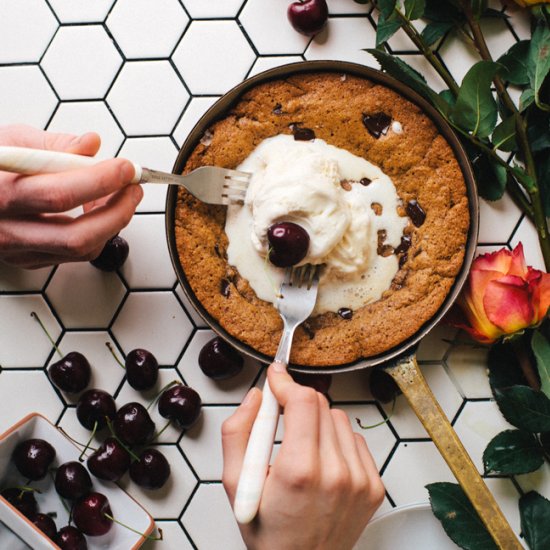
(256, 458)
(23, 160)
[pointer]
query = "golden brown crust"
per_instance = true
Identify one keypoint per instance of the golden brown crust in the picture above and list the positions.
(422, 167)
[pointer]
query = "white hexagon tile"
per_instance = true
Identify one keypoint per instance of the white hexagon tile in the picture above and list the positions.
(141, 73)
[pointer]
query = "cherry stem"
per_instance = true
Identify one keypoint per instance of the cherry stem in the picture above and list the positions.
(518, 345)
(385, 421)
(148, 537)
(114, 354)
(80, 459)
(36, 318)
(161, 391)
(28, 489)
(73, 439)
(124, 446)
(61, 498)
(158, 434)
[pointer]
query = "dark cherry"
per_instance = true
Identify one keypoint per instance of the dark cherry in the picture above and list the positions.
(46, 524)
(89, 514)
(181, 404)
(72, 373)
(302, 134)
(24, 501)
(416, 213)
(110, 462)
(383, 386)
(278, 109)
(308, 17)
(142, 369)
(70, 538)
(345, 313)
(151, 471)
(365, 181)
(319, 382)
(33, 457)
(225, 288)
(95, 406)
(133, 425)
(113, 255)
(288, 244)
(377, 124)
(72, 480)
(218, 360)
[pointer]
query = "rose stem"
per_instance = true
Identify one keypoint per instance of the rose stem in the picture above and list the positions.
(518, 346)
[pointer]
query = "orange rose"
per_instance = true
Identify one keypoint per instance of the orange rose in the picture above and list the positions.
(502, 296)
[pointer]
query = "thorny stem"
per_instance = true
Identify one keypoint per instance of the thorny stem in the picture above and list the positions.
(419, 42)
(518, 345)
(533, 190)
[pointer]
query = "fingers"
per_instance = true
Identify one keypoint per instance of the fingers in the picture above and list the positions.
(235, 434)
(300, 447)
(64, 191)
(65, 237)
(21, 135)
(376, 490)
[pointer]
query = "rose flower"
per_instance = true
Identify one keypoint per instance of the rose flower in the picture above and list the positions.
(502, 296)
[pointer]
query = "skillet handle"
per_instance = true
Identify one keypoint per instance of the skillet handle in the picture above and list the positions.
(412, 383)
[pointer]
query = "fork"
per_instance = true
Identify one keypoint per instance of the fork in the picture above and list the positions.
(295, 303)
(209, 184)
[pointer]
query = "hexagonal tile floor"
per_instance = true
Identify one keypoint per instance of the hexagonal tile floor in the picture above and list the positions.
(141, 73)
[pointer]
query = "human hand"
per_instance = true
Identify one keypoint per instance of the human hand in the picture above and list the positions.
(35, 230)
(323, 486)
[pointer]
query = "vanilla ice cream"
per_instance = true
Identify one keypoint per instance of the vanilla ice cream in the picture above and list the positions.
(317, 186)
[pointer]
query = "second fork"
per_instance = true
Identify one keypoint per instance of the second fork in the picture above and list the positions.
(295, 303)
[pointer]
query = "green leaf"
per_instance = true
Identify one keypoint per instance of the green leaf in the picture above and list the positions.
(435, 30)
(405, 73)
(534, 511)
(443, 10)
(386, 7)
(448, 103)
(504, 136)
(414, 9)
(545, 442)
(538, 130)
(504, 369)
(526, 98)
(476, 109)
(513, 452)
(539, 59)
(524, 408)
(515, 62)
(541, 349)
(386, 28)
(457, 516)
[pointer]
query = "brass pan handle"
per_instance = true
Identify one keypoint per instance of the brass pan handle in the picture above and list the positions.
(412, 383)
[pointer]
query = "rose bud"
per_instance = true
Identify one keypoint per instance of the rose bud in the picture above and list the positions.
(502, 296)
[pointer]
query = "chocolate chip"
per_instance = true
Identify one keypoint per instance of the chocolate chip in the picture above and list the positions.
(377, 208)
(302, 134)
(416, 213)
(308, 330)
(225, 287)
(377, 124)
(402, 260)
(404, 245)
(278, 109)
(345, 313)
(365, 181)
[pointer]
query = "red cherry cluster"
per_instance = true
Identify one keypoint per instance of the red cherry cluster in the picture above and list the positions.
(90, 511)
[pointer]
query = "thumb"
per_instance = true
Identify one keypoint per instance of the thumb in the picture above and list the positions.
(281, 383)
(235, 434)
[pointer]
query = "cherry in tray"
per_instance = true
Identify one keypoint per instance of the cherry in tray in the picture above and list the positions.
(21, 499)
(72, 480)
(92, 514)
(70, 538)
(33, 457)
(288, 244)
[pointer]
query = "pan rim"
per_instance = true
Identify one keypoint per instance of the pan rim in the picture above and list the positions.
(219, 109)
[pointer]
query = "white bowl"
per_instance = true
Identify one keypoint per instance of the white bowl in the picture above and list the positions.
(124, 507)
(412, 526)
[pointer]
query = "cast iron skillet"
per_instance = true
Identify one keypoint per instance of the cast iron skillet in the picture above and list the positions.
(400, 361)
